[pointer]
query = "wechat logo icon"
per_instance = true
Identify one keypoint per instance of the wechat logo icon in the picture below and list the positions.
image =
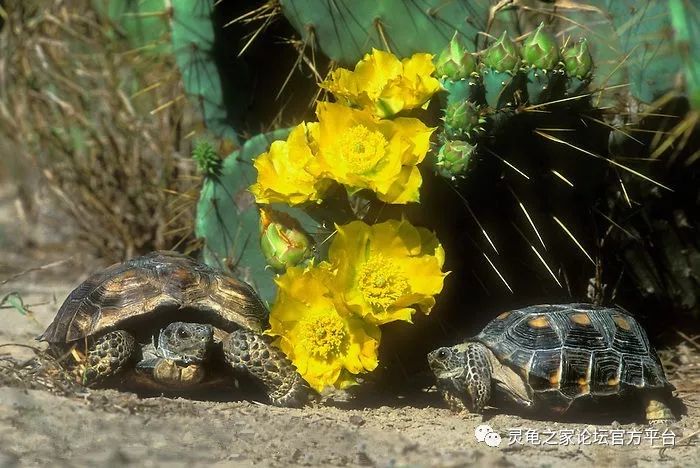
(484, 433)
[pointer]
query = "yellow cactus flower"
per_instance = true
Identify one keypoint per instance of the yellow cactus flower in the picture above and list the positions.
(386, 271)
(384, 84)
(283, 175)
(362, 151)
(326, 343)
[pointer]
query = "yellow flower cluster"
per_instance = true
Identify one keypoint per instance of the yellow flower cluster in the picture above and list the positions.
(327, 316)
(354, 143)
(384, 84)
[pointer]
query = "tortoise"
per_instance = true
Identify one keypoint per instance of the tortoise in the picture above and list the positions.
(165, 318)
(547, 357)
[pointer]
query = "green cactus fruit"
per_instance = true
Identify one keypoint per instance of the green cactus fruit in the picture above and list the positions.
(503, 55)
(206, 158)
(282, 240)
(455, 62)
(540, 50)
(455, 159)
(461, 120)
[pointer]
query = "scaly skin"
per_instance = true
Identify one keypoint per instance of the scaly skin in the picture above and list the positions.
(253, 353)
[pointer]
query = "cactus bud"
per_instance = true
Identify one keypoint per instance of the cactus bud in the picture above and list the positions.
(455, 62)
(454, 158)
(283, 242)
(503, 55)
(206, 158)
(461, 119)
(577, 59)
(540, 49)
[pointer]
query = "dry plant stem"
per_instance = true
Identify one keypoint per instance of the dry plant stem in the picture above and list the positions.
(76, 117)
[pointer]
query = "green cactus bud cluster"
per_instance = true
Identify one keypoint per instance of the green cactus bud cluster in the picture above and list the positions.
(283, 242)
(455, 62)
(455, 158)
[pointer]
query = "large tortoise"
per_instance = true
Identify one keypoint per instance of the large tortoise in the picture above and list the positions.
(169, 318)
(547, 357)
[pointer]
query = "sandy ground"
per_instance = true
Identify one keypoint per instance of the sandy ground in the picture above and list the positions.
(112, 428)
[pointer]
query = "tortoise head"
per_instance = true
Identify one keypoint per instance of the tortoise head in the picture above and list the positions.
(463, 374)
(186, 343)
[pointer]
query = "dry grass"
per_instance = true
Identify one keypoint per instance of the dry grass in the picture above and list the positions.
(72, 112)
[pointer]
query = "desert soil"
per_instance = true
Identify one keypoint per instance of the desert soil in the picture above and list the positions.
(41, 426)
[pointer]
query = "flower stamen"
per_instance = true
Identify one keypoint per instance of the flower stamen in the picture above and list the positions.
(381, 282)
(360, 148)
(324, 335)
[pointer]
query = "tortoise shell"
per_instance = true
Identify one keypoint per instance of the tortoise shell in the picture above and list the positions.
(127, 295)
(564, 352)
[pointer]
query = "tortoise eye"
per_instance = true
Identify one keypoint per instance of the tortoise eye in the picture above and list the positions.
(443, 353)
(183, 333)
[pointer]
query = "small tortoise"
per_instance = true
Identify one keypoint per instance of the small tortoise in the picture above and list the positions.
(168, 318)
(550, 356)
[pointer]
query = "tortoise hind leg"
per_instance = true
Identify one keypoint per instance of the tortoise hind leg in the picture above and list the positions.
(251, 352)
(658, 412)
(107, 355)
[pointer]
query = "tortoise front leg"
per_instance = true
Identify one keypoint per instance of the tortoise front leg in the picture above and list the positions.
(107, 355)
(251, 352)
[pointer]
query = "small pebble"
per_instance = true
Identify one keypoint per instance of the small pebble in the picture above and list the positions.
(357, 420)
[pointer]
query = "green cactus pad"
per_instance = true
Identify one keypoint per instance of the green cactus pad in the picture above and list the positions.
(222, 97)
(144, 22)
(545, 85)
(228, 220)
(500, 88)
(345, 30)
(686, 25)
(631, 42)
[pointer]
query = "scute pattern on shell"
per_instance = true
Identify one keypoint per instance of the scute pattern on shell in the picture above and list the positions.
(568, 351)
(141, 285)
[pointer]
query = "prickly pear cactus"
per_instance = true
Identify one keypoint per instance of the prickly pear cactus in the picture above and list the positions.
(221, 95)
(227, 217)
(347, 30)
(143, 22)
(251, 244)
